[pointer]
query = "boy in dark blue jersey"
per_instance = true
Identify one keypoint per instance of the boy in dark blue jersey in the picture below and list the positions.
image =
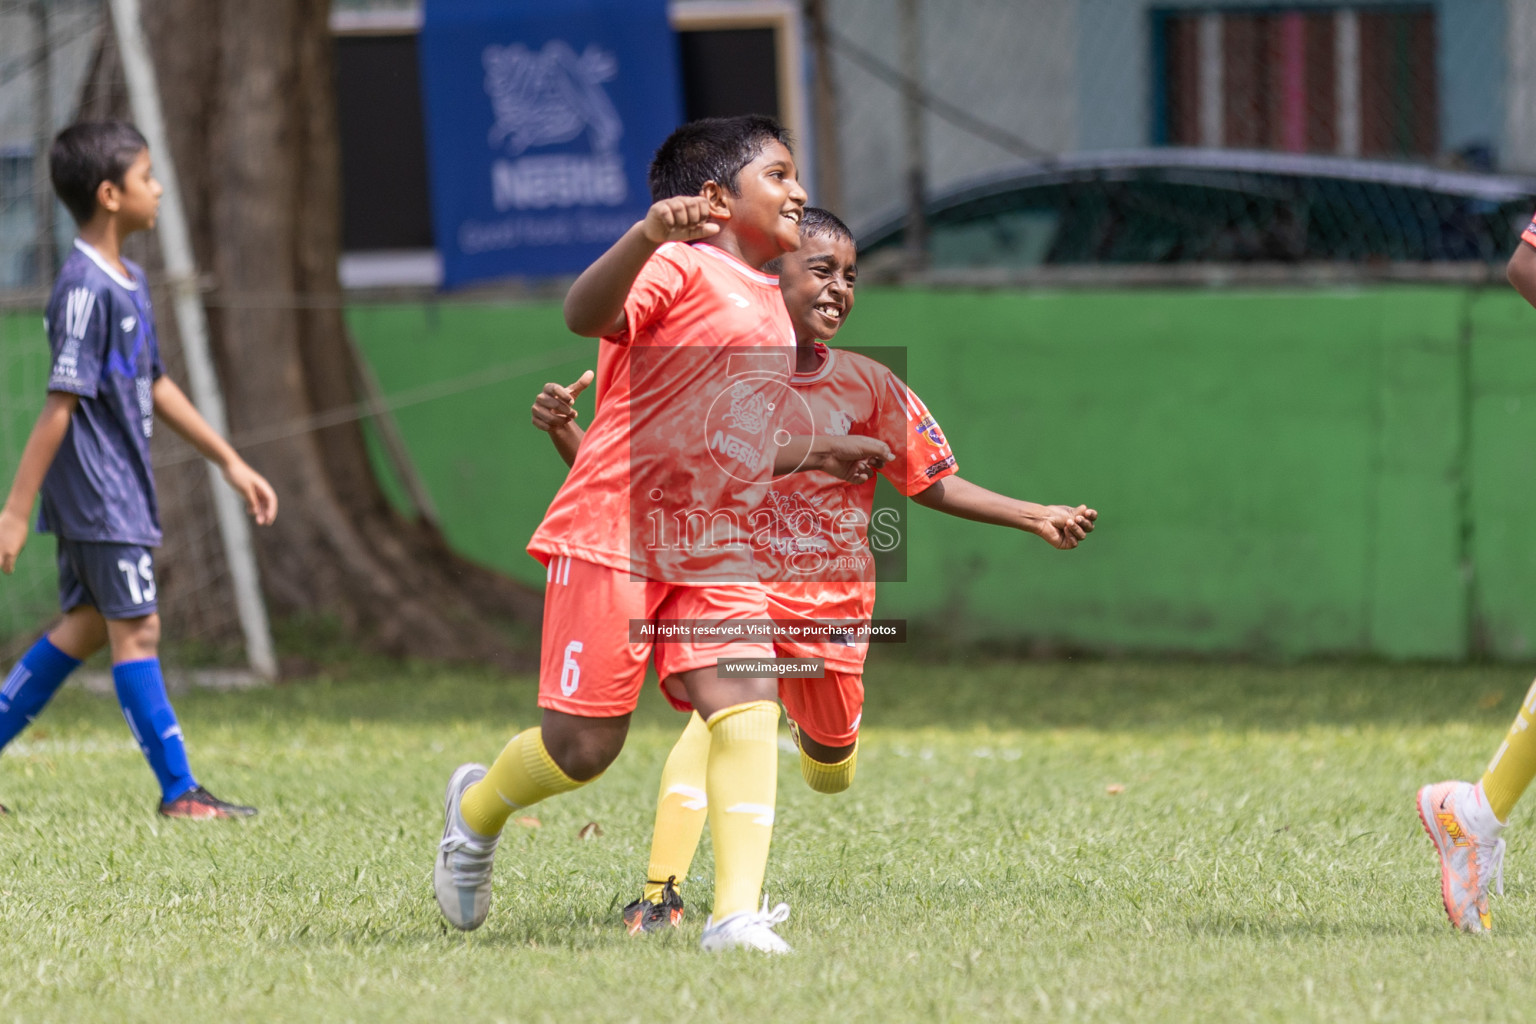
(88, 455)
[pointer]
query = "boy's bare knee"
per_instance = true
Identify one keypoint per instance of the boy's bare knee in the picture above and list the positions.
(135, 639)
(710, 692)
(583, 748)
(80, 633)
(584, 757)
(146, 630)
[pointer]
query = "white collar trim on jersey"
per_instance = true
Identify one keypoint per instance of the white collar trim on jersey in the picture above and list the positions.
(106, 268)
(740, 267)
(821, 372)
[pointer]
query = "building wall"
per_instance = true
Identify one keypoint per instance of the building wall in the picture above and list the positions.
(1073, 75)
(1280, 473)
(1011, 64)
(1519, 106)
(1114, 73)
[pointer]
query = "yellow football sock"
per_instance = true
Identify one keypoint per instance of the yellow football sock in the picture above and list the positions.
(829, 778)
(742, 783)
(1514, 764)
(523, 774)
(680, 808)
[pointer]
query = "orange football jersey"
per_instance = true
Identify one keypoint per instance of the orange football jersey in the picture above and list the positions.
(811, 533)
(680, 448)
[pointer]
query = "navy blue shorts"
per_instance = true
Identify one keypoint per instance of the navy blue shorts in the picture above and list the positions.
(117, 580)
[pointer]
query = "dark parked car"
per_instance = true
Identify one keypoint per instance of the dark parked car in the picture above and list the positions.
(1164, 206)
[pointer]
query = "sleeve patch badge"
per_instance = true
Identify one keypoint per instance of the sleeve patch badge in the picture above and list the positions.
(929, 431)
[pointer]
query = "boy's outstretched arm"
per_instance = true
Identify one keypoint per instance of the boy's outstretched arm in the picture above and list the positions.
(1060, 526)
(178, 412)
(42, 445)
(554, 412)
(853, 458)
(594, 307)
(1522, 271)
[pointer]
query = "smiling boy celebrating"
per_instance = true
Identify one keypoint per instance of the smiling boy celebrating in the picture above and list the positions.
(811, 545)
(88, 455)
(696, 351)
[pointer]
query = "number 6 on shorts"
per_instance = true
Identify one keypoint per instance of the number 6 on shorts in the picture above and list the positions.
(570, 672)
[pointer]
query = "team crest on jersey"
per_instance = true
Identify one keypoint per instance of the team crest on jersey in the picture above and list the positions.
(749, 408)
(128, 323)
(928, 429)
(840, 423)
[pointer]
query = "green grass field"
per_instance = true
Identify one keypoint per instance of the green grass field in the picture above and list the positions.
(1263, 861)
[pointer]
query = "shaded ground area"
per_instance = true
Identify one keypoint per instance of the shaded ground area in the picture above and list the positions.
(1005, 695)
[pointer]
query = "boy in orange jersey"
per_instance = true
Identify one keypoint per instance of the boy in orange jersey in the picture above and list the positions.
(696, 354)
(811, 545)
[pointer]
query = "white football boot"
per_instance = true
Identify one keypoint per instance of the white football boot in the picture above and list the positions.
(461, 875)
(747, 929)
(1466, 838)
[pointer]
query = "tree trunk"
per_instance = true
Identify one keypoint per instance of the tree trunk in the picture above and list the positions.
(250, 108)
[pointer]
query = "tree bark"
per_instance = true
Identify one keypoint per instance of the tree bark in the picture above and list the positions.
(249, 103)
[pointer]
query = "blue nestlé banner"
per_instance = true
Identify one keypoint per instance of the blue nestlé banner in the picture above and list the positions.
(541, 118)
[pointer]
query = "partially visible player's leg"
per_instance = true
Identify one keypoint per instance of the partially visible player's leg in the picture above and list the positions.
(741, 779)
(479, 801)
(560, 754)
(140, 685)
(589, 679)
(824, 719)
(34, 679)
(80, 633)
(120, 579)
(828, 742)
(1514, 763)
(1465, 822)
(681, 809)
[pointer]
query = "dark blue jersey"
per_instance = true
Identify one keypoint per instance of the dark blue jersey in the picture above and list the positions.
(101, 331)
